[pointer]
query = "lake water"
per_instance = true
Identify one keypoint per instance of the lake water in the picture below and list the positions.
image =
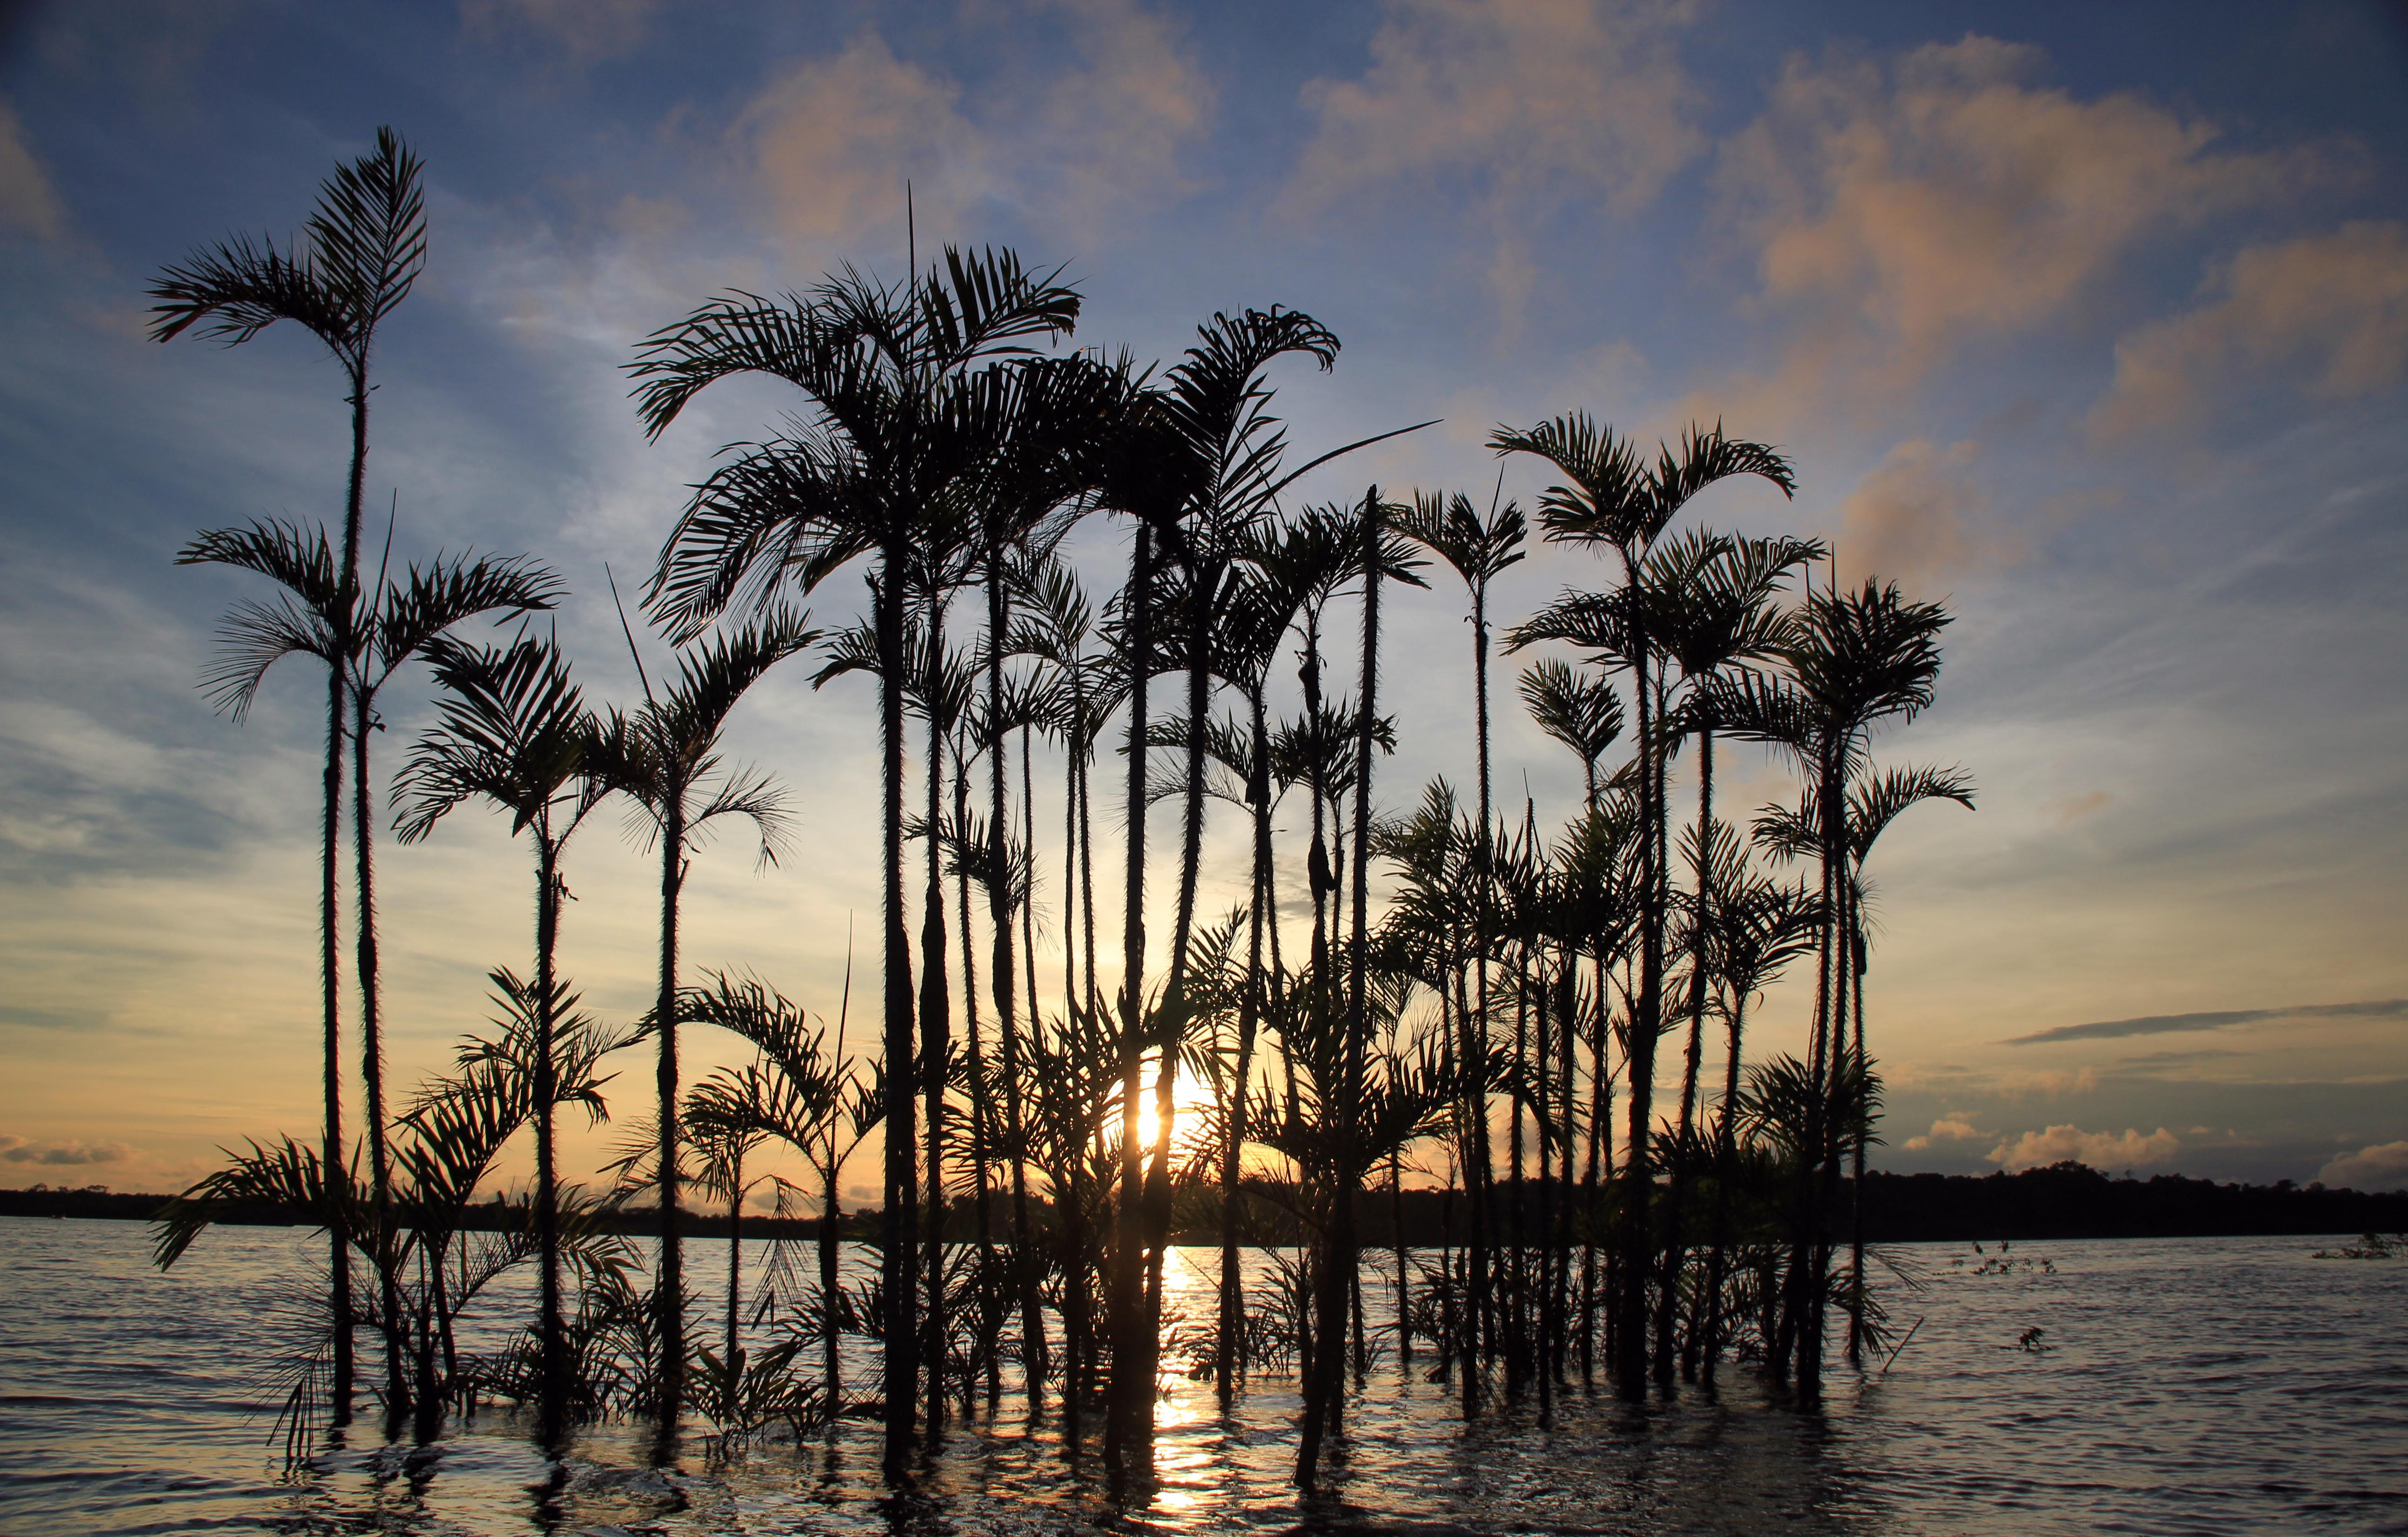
(2216, 1387)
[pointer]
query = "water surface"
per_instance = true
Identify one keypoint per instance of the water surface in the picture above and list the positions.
(2211, 1387)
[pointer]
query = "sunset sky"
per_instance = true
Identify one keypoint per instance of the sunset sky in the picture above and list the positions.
(2090, 321)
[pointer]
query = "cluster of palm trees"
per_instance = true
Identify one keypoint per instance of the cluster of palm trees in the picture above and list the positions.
(1036, 1171)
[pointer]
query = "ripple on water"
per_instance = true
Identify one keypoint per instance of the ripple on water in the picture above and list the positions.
(2211, 1387)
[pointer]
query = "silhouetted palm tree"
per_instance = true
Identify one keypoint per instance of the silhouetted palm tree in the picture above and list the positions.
(1612, 497)
(1479, 552)
(363, 248)
(665, 756)
(895, 430)
(512, 730)
(1852, 662)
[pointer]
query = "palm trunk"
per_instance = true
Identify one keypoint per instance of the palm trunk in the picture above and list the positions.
(831, 1216)
(1033, 1350)
(901, 1224)
(372, 1067)
(346, 644)
(1857, 1192)
(936, 1027)
(551, 1341)
(734, 1357)
(1130, 1412)
(1482, 1332)
(999, 899)
(1630, 1321)
(338, 1236)
(982, 1109)
(668, 1296)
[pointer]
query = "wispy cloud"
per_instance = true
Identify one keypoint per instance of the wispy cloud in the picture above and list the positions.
(2159, 1024)
(2327, 312)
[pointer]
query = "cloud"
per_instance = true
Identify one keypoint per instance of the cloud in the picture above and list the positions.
(1917, 516)
(1899, 209)
(2099, 1150)
(585, 31)
(2328, 311)
(2158, 1024)
(1946, 1128)
(835, 138)
(1095, 133)
(27, 202)
(1539, 105)
(2381, 1167)
(16, 1149)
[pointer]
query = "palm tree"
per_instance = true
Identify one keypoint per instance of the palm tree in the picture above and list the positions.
(895, 430)
(1873, 804)
(1852, 662)
(512, 730)
(406, 616)
(1611, 497)
(665, 756)
(1477, 551)
(362, 252)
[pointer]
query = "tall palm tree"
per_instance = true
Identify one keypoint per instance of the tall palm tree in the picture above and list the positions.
(1611, 497)
(363, 248)
(404, 618)
(1707, 599)
(1874, 802)
(1852, 662)
(1478, 550)
(893, 431)
(667, 757)
(512, 730)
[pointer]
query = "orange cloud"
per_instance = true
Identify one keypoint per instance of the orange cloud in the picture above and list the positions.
(833, 139)
(27, 202)
(1946, 1128)
(2099, 1150)
(1896, 211)
(1918, 517)
(2329, 311)
(1540, 103)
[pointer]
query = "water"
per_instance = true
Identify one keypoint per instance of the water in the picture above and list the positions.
(2219, 1385)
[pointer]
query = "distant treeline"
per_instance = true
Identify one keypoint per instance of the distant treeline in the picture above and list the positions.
(2064, 1201)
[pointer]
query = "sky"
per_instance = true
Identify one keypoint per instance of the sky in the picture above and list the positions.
(2089, 322)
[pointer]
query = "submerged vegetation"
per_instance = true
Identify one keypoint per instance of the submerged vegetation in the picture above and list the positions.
(1549, 1026)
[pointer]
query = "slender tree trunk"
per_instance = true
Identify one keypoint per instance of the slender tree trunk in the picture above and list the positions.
(936, 1037)
(338, 1264)
(1127, 1441)
(999, 900)
(1483, 1329)
(1726, 1171)
(831, 1220)
(346, 647)
(900, 1221)
(1856, 1193)
(372, 1065)
(1646, 1027)
(735, 1279)
(981, 1105)
(552, 1340)
(668, 1290)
